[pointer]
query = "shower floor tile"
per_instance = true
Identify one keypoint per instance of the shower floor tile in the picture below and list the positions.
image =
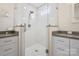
(36, 50)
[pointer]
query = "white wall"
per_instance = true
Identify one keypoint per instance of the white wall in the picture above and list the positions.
(66, 17)
(6, 22)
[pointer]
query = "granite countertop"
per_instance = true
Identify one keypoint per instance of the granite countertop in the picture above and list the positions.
(74, 35)
(4, 34)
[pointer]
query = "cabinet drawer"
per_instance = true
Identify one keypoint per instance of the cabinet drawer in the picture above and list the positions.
(62, 49)
(60, 45)
(74, 52)
(9, 40)
(60, 53)
(7, 49)
(60, 40)
(11, 52)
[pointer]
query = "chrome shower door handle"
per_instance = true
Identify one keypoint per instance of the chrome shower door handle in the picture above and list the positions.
(24, 27)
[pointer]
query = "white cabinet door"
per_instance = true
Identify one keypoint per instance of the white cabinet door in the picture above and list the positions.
(60, 46)
(74, 47)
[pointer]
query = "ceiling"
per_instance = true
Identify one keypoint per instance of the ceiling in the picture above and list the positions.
(37, 5)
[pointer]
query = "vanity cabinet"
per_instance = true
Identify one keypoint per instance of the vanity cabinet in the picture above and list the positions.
(9, 46)
(60, 46)
(63, 46)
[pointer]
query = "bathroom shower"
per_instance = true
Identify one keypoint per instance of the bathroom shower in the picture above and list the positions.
(37, 32)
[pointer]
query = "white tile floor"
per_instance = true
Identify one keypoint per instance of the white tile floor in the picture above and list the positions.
(36, 50)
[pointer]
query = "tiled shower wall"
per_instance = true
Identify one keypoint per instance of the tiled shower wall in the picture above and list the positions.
(22, 16)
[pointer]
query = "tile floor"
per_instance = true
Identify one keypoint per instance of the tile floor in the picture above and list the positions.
(36, 50)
